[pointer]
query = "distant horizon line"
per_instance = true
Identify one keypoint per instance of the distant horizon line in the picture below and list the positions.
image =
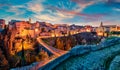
(60, 23)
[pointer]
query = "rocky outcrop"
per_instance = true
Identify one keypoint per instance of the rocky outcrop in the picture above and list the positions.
(89, 57)
(3, 62)
(115, 64)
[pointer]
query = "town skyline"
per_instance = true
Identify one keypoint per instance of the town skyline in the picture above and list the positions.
(77, 12)
(80, 24)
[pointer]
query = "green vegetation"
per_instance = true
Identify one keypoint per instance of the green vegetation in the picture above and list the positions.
(111, 37)
(115, 32)
(68, 42)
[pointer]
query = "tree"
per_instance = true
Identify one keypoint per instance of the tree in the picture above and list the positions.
(43, 55)
(3, 62)
(68, 45)
(27, 56)
(60, 44)
(14, 60)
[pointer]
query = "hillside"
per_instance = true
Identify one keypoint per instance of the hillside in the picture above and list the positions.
(104, 56)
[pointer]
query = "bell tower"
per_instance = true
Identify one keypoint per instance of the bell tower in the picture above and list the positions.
(30, 20)
(101, 25)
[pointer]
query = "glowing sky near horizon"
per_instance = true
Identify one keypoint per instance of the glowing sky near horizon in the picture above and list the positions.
(80, 12)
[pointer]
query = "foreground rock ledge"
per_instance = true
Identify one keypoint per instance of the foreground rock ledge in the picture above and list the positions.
(89, 57)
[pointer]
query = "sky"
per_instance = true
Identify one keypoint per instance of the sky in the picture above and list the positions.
(79, 12)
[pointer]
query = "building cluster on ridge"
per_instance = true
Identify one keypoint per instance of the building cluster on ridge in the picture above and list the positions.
(47, 29)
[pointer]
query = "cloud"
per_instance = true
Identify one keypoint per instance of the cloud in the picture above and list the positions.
(54, 17)
(83, 6)
(16, 10)
(74, 13)
(81, 1)
(63, 15)
(87, 1)
(47, 17)
(35, 7)
(63, 11)
(117, 9)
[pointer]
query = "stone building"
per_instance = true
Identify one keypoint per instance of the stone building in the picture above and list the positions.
(2, 23)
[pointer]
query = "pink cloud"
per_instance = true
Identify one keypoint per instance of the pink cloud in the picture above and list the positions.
(83, 4)
(74, 13)
(35, 7)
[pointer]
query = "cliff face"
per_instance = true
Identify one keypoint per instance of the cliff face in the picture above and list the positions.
(104, 56)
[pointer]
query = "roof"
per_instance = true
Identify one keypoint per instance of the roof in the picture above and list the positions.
(110, 26)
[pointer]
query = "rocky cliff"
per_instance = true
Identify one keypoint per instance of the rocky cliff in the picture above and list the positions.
(105, 56)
